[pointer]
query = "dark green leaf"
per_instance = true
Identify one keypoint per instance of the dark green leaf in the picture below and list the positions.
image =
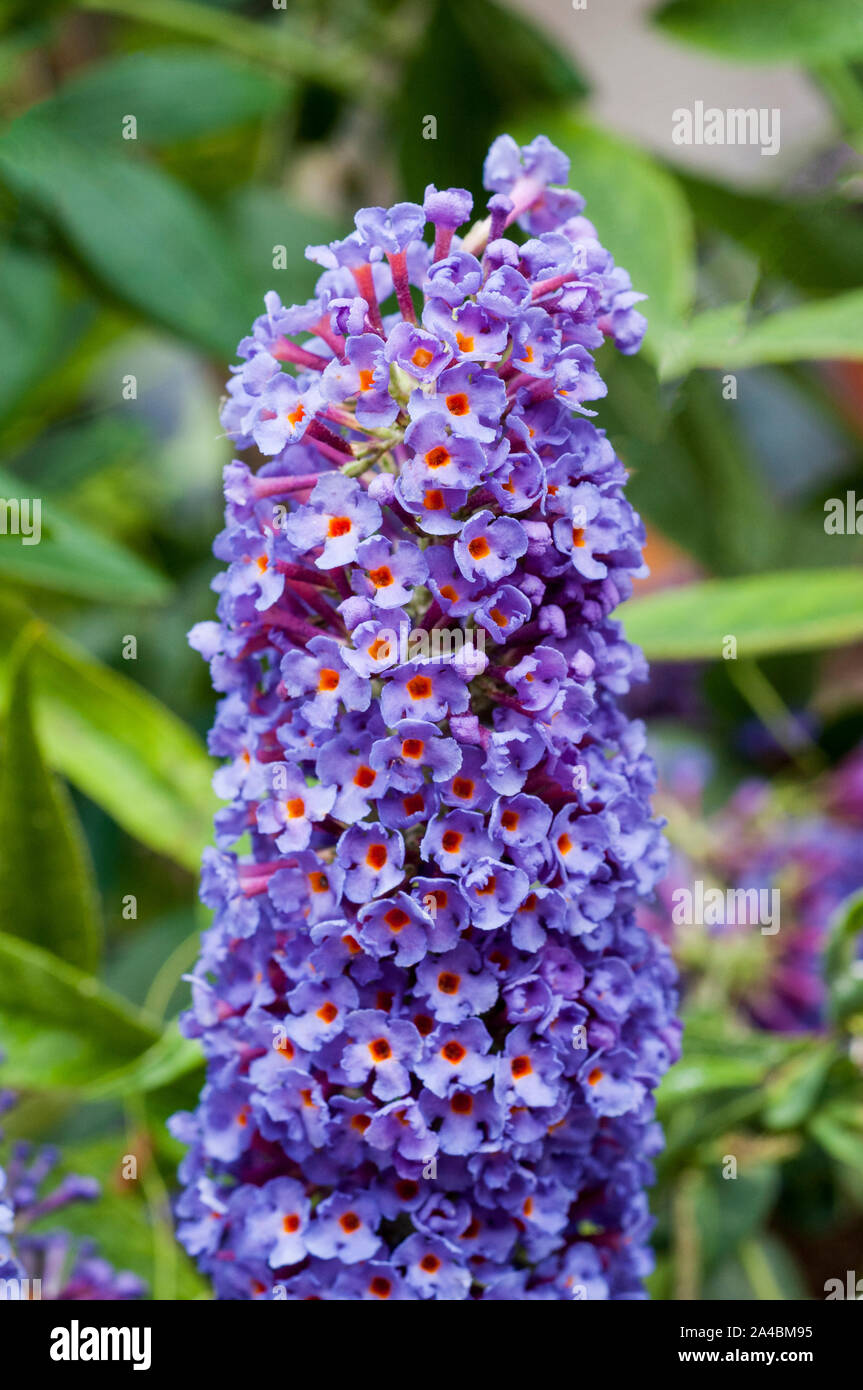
(263, 219)
(119, 745)
(816, 245)
(173, 93)
(767, 31)
(47, 894)
(172, 1056)
(794, 610)
(730, 1209)
(144, 235)
(492, 65)
(31, 320)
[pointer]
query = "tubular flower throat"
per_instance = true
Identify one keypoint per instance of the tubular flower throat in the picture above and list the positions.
(432, 1025)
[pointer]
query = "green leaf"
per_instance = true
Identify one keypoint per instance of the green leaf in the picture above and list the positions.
(59, 1026)
(493, 65)
(262, 218)
(32, 321)
(279, 43)
(838, 1129)
(171, 1057)
(145, 236)
(173, 93)
(842, 968)
(118, 745)
(697, 1075)
(813, 243)
(731, 1209)
(830, 328)
(47, 893)
(786, 611)
(639, 213)
(767, 31)
(794, 1092)
(72, 559)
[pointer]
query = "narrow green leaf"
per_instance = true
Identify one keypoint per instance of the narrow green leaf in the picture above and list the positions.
(144, 235)
(47, 892)
(794, 1092)
(829, 328)
(173, 93)
(840, 1133)
(31, 320)
(767, 31)
(59, 1026)
(121, 747)
(786, 611)
(70, 558)
(697, 1075)
(842, 967)
(171, 1057)
(639, 212)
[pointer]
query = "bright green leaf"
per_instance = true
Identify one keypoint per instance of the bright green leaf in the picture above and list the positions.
(793, 1093)
(698, 1075)
(826, 329)
(841, 962)
(58, 1025)
(119, 745)
(767, 31)
(839, 1131)
(786, 611)
(47, 893)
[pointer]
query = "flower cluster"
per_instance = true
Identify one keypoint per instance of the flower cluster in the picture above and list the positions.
(52, 1265)
(432, 1025)
(807, 853)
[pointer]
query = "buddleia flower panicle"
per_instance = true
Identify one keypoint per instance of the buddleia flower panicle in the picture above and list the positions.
(49, 1265)
(432, 1026)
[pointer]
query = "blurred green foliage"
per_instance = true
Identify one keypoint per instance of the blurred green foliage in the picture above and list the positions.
(144, 260)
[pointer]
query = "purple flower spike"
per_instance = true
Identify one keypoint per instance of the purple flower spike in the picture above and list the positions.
(433, 1027)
